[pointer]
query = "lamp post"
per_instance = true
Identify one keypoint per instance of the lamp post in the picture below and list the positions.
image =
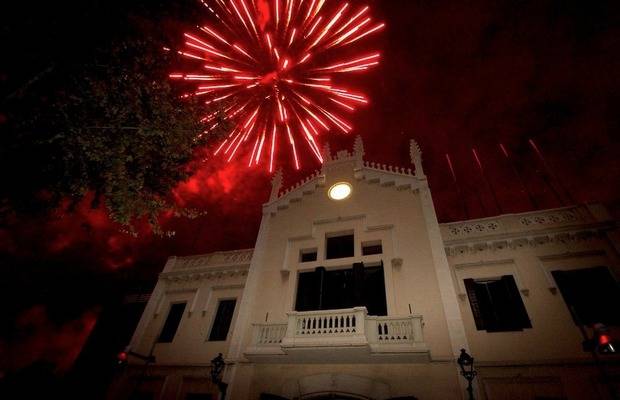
(217, 367)
(466, 362)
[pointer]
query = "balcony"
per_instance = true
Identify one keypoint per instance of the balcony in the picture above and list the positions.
(348, 335)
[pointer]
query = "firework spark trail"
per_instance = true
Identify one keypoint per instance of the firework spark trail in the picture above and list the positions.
(269, 65)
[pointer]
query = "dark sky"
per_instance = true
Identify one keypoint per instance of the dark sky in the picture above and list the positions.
(454, 75)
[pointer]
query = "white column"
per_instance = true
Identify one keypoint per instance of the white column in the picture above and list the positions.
(447, 291)
(244, 317)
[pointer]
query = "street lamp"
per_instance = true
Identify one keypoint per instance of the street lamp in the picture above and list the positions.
(466, 362)
(217, 367)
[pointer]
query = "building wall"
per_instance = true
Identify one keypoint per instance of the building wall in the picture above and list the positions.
(201, 282)
(530, 253)
(373, 212)
(424, 274)
(547, 359)
(382, 206)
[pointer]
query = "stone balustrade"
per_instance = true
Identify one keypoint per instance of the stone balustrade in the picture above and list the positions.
(394, 330)
(269, 334)
(338, 328)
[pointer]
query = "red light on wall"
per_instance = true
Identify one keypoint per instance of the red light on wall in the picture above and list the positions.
(122, 356)
(603, 340)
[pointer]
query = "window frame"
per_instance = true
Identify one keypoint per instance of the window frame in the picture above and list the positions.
(569, 298)
(308, 251)
(514, 311)
(371, 244)
(313, 278)
(337, 235)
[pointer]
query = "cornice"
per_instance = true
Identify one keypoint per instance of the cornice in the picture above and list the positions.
(205, 273)
(559, 236)
(536, 228)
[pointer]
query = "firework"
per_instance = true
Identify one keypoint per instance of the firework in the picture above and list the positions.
(270, 69)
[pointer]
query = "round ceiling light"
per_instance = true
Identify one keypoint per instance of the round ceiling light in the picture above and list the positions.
(339, 191)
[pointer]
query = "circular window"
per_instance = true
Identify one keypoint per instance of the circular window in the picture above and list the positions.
(339, 191)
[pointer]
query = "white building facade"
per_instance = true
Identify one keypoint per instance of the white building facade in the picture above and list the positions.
(369, 297)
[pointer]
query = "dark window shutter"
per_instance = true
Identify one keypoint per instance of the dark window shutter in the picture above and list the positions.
(518, 314)
(223, 318)
(374, 290)
(358, 284)
(319, 273)
(308, 291)
(472, 295)
(591, 294)
(172, 323)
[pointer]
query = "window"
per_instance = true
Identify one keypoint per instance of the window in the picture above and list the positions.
(497, 305)
(307, 255)
(370, 248)
(172, 323)
(223, 318)
(591, 294)
(343, 288)
(339, 247)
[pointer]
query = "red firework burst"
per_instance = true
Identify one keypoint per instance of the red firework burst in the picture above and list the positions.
(270, 66)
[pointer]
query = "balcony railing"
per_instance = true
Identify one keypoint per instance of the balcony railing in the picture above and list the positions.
(347, 328)
(326, 328)
(269, 334)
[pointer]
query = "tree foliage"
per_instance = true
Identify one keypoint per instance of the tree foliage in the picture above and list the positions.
(115, 128)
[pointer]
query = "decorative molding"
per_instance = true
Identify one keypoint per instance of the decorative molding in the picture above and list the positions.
(569, 215)
(338, 219)
(560, 222)
(385, 175)
(326, 153)
(374, 228)
(276, 185)
(358, 154)
(217, 259)
(397, 263)
(548, 239)
(416, 158)
(207, 273)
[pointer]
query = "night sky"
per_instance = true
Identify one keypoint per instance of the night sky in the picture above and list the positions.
(454, 75)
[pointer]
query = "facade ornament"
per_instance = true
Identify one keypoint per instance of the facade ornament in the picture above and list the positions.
(416, 158)
(358, 152)
(358, 147)
(326, 154)
(276, 185)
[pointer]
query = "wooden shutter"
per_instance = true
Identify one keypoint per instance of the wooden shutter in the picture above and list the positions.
(591, 294)
(358, 284)
(520, 318)
(172, 323)
(470, 287)
(308, 291)
(320, 286)
(223, 318)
